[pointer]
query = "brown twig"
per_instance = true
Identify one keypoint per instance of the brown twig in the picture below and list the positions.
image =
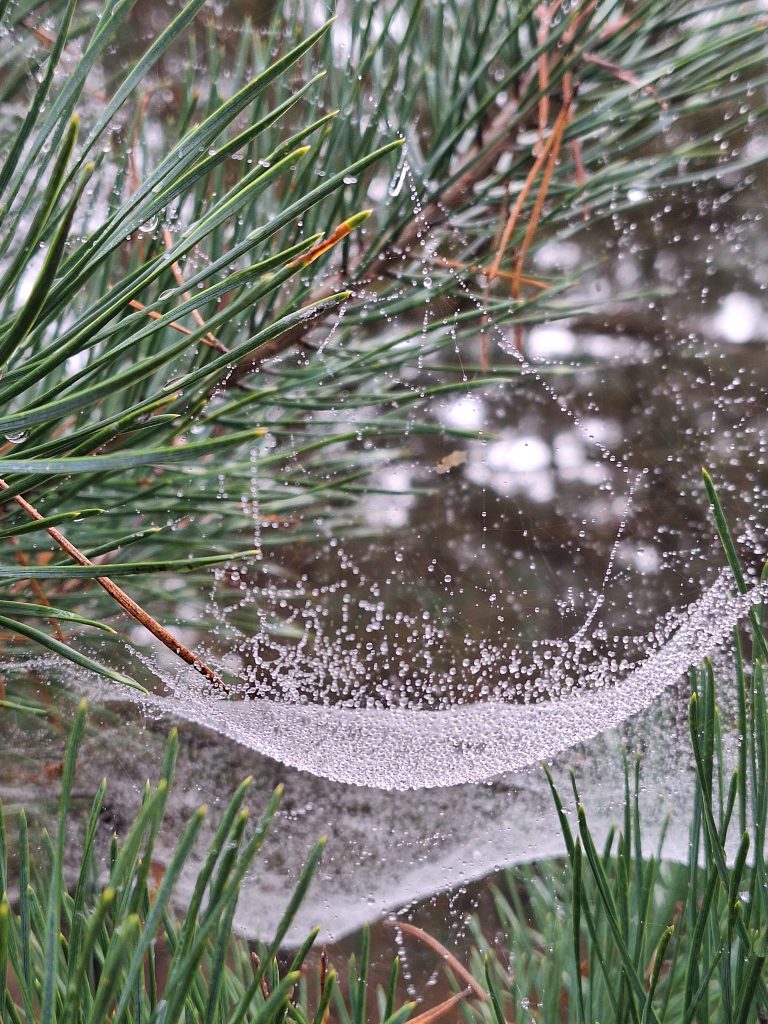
(126, 603)
(478, 163)
(456, 966)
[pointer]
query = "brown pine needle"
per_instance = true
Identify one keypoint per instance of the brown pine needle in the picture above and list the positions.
(514, 215)
(441, 1009)
(533, 223)
(135, 304)
(580, 16)
(623, 76)
(38, 591)
(577, 154)
(456, 966)
(609, 31)
(126, 603)
(545, 13)
(494, 270)
(580, 172)
(336, 236)
(477, 268)
(210, 339)
(546, 179)
(263, 985)
(485, 322)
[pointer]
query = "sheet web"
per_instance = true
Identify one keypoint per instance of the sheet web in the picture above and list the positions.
(537, 568)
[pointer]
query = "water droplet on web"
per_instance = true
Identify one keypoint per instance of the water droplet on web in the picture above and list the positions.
(398, 180)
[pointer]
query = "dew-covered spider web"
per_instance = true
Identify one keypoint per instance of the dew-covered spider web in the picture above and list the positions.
(506, 555)
(538, 565)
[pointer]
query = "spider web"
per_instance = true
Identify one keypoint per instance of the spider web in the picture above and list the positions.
(534, 571)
